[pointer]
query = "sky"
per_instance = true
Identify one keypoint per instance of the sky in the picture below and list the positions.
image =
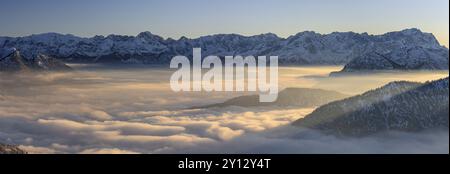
(194, 18)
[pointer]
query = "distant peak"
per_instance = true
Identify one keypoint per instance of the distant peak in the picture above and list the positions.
(183, 38)
(99, 37)
(149, 36)
(411, 31)
(307, 33)
(270, 34)
(145, 33)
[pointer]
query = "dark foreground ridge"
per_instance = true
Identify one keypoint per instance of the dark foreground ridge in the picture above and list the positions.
(289, 97)
(398, 106)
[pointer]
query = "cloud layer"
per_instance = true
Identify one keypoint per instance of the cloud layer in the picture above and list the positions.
(124, 111)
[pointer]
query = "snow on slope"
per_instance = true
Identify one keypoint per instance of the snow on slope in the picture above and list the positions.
(303, 48)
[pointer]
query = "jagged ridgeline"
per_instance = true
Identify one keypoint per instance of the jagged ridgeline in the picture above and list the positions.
(11, 60)
(399, 106)
(337, 48)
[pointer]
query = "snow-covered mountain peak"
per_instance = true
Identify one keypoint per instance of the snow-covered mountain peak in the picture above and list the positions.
(414, 37)
(147, 35)
(269, 36)
(307, 47)
(183, 38)
(412, 31)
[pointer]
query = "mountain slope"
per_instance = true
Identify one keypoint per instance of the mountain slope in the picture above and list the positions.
(416, 58)
(299, 97)
(400, 106)
(12, 61)
(303, 48)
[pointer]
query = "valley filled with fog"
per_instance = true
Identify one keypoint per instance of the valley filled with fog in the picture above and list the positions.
(106, 109)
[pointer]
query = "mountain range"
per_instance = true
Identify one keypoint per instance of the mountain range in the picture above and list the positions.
(399, 106)
(305, 48)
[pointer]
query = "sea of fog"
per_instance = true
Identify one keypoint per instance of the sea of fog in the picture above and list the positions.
(108, 109)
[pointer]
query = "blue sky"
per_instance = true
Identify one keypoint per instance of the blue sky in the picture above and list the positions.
(193, 18)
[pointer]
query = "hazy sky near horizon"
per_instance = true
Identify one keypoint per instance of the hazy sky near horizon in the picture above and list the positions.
(176, 18)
